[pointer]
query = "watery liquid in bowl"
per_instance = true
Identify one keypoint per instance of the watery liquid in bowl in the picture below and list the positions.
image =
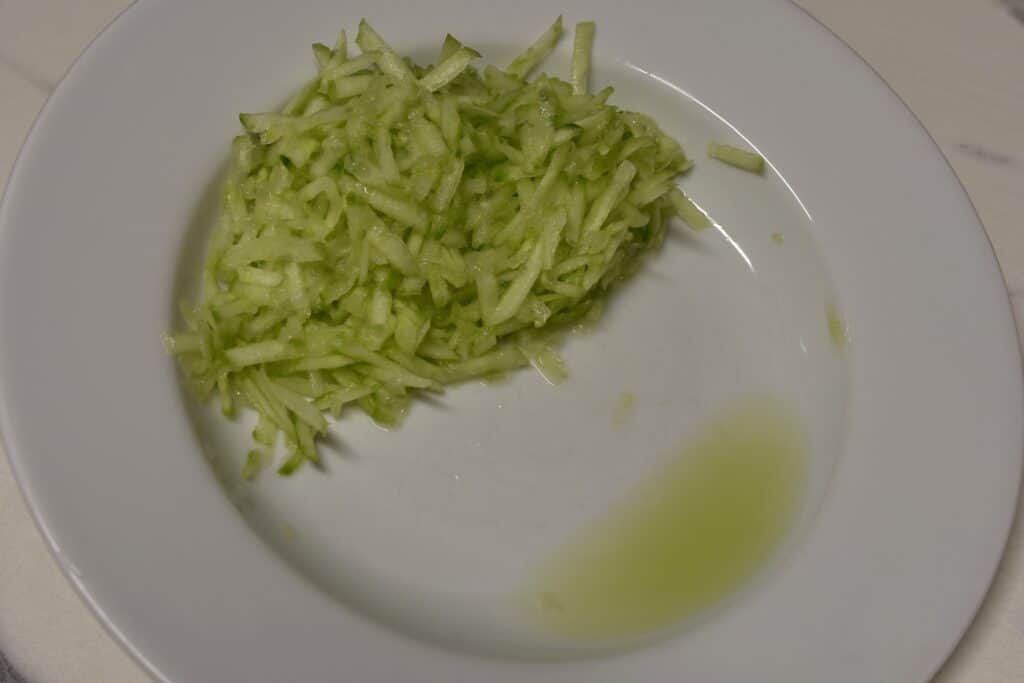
(680, 542)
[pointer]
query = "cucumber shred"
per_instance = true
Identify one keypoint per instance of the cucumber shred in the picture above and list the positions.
(734, 156)
(396, 228)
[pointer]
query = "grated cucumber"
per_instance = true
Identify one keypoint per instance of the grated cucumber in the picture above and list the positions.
(398, 228)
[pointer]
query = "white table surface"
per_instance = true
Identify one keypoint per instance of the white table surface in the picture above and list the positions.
(959, 65)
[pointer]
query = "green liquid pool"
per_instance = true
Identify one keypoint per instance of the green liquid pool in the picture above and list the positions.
(691, 535)
(836, 327)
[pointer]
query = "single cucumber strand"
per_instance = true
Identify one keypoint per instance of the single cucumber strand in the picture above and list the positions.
(448, 70)
(688, 211)
(583, 45)
(530, 59)
(734, 156)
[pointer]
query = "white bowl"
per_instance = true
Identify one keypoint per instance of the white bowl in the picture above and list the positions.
(396, 564)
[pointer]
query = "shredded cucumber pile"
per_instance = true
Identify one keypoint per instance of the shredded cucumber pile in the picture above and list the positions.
(396, 228)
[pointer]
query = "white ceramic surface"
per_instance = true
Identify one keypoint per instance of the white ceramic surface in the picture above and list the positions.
(138, 524)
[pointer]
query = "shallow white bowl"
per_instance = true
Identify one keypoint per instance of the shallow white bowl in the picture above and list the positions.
(387, 568)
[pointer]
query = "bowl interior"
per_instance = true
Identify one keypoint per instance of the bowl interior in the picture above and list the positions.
(437, 527)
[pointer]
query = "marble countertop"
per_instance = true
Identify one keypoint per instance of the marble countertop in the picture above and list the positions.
(956, 63)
